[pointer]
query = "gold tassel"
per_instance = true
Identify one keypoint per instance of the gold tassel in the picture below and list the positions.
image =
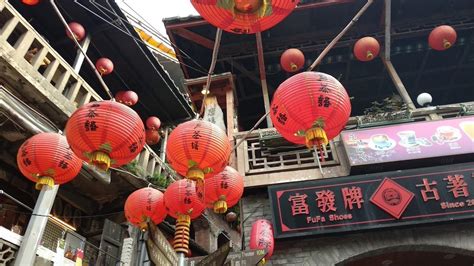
(370, 55)
(195, 173)
(44, 181)
(220, 206)
(446, 43)
(181, 234)
(101, 160)
(316, 135)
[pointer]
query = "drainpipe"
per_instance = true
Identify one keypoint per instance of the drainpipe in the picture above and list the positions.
(388, 63)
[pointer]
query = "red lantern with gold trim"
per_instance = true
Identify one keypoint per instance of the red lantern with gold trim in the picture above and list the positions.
(183, 203)
(310, 108)
(105, 134)
(292, 60)
(198, 149)
(105, 66)
(261, 237)
(153, 122)
(78, 31)
(366, 49)
(244, 16)
(442, 37)
(143, 204)
(30, 2)
(152, 137)
(129, 98)
(46, 159)
(224, 190)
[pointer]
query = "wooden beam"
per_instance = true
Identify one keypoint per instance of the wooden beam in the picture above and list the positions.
(192, 36)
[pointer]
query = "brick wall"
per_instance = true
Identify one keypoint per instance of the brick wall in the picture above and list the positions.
(324, 251)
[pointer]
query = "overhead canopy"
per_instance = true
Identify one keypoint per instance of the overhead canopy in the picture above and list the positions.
(136, 68)
(446, 75)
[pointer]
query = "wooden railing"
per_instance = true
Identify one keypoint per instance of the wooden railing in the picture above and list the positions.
(23, 49)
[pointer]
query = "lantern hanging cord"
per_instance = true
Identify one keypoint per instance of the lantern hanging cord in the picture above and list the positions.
(336, 39)
(317, 159)
(215, 52)
(63, 20)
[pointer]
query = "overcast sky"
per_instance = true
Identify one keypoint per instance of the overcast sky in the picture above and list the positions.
(155, 10)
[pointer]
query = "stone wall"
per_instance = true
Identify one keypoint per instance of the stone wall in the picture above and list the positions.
(453, 237)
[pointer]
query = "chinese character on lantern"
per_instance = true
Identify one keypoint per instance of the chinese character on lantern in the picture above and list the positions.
(352, 196)
(457, 185)
(326, 200)
(433, 192)
(298, 204)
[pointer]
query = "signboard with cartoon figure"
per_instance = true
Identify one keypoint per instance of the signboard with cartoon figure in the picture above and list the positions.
(411, 141)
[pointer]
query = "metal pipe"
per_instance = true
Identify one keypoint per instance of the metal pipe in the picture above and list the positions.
(80, 56)
(215, 52)
(388, 27)
(181, 261)
(92, 65)
(263, 78)
(163, 149)
(250, 131)
(334, 41)
(15, 200)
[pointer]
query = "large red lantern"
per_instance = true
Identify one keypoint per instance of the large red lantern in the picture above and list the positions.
(143, 205)
(30, 2)
(261, 237)
(128, 98)
(366, 49)
(104, 66)
(292, 60)
(105, 134)
(78, 31)
(152, 137)
(153, 122)
(442, 37)
(183, 203)
(47, 159)
(198, 149)
(310, 108)
(224, 189)
(244, 16)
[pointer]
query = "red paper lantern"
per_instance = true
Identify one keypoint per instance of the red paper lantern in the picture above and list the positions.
(366, 49)
(78, 31)
(104, 66)
(183, 203)
(310, 108)
(224, 189)
(261, 237)
(442, 37)
(152, 137)
(143, 204)
(128, 98)
(244, 16)
(46, 159)
(30, 2)
(292, 60)
(153, 122)
(198, 149)
(105, 134)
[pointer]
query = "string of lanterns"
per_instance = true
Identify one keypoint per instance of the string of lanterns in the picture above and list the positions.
(308, 108)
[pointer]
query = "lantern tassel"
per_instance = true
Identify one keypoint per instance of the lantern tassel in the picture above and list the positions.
(293, 67)
(181, 234)
(370, 55)
(44, 181)
(446, 43)
(316, 136)
(220, 206)
(101, 160)
(196, 174)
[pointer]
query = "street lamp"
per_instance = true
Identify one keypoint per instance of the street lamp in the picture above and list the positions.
(424, 99)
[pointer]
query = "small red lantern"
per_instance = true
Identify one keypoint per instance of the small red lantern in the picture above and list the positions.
(153, 122)
(261, 237)
(128, 98)
(198, 149)
(105, 134)
(104, 66)
(442, 37)
(244, 16)
(224, 189)
(143, 204)
(152, 137)
(78, 31)
(30, 2)
(366, 49)
(183, 203)
(292, 60)
(47, 159)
